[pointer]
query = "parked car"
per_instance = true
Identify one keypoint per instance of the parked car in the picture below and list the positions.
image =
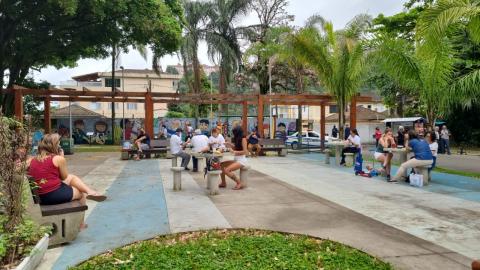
(309, 139)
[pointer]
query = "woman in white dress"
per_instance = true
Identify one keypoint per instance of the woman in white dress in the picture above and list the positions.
(239, 150)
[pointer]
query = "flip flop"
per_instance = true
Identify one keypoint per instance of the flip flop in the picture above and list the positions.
(237, 188)
(222, 186)
(97, 198)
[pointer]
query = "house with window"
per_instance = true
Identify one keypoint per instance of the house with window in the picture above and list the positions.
(128, 80)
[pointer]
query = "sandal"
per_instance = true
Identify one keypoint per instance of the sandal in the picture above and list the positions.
(96, 197)
(222, 186)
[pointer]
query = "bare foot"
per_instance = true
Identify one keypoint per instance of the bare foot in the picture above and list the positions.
(83, 226)
(238, 186)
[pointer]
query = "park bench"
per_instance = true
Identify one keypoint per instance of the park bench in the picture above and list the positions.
(157, 147)
(424, 171)
(276, 145)
(65, 218)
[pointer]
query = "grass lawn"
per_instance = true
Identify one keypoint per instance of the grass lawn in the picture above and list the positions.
(97, 148)
(235, 249)
(462, 173)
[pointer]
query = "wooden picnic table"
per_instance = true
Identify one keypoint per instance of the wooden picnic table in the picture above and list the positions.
(401, 152)
(339, 145)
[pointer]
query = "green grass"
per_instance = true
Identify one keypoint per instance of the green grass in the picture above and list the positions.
(235, 249)
(456, 172)
(97, 148)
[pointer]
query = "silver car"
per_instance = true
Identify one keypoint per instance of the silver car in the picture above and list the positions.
(309, 139)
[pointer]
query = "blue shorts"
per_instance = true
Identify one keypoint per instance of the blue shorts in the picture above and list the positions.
(62, 194)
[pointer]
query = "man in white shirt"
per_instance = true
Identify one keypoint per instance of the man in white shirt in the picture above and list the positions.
(355, 145)
(200, 145)
(176, 147)
(216, 141)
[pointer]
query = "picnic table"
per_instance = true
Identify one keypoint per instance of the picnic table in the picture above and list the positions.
(401, 152)
(339, 145)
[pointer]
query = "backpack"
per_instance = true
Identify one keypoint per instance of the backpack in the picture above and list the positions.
(213, 164)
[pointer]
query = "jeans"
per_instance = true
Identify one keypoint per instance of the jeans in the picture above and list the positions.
(446, 143)
(411, 163)
(350, 149)
(185, 158)
(195, 163)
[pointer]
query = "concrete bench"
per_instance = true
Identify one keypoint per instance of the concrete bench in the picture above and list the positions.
(65, 218)
(213, 178)
(157, 147)
(277, 145)
(350, 159)
(177, 178)
(424, 171)
(202, 161)
(244, 174)
(327, 156)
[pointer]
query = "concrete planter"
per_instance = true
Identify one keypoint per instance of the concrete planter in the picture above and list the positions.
(31, 262)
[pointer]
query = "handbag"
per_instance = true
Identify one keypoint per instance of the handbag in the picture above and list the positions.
(416, 180)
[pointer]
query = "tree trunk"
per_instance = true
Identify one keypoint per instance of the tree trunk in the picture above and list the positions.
(196, 72)
(341, 119)
(114, 54)
(222, 87)
(299, 86)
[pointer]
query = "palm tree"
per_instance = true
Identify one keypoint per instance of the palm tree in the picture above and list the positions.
(441, 25)
(195, 16)
(338, 57)
(222, 38)
(429, 66)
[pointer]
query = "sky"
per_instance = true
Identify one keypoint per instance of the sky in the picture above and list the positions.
(340, 12)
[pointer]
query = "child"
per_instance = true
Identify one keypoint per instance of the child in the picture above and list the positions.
(372, 171)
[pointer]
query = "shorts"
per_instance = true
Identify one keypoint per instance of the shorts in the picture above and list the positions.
(377, 155)
(241, 159)
(62, 194)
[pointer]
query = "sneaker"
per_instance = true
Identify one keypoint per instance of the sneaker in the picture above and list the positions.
(392, 180)
(187, 169)
(388, 177)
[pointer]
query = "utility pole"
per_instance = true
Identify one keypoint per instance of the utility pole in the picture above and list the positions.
(114, 54)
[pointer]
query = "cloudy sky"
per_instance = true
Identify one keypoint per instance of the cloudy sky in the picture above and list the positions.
(338, 11)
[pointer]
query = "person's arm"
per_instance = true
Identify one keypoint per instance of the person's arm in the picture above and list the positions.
(61, 164)
(140, 139)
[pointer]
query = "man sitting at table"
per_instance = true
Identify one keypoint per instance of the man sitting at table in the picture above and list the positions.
(216, 141)
(423, 155)
(177, 146)
(200, 145)
(355, 145)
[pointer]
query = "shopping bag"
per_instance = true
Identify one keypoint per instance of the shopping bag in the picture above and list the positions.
(416, 180)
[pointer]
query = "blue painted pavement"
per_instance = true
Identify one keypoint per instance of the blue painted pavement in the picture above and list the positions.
(135, 210)
(463, 187)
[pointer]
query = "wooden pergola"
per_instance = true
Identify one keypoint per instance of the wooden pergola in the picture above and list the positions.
(149, 98)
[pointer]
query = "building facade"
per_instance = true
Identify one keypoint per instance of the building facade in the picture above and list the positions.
(128, 80)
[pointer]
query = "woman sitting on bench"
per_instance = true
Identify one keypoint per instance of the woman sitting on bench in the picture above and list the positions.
(239, 150)
(55, 184)
(355, 145)
(142, 143)
(423, 155)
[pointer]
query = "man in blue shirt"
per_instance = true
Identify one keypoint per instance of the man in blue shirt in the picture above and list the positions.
(423, 155)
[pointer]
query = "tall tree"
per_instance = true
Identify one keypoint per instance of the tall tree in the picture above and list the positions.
(222, 38)
(40, 33)
(338, 58)
(270, 13)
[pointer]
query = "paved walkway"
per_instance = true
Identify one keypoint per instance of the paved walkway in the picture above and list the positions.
(406, 226)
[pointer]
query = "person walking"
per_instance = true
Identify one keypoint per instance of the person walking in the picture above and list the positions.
(377, 135)
(177, 146)
(401, 136)
(445, 135)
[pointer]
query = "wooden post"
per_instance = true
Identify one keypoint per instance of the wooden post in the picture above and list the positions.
(322, 126)
(274, 127)
(46, 115)
(353, 113)
(245, 117)
(260, 115)
(149, 114)
(18, 104)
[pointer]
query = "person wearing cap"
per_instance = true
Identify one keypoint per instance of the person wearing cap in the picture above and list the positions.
(253, 146)
(200, 145)
(177, 146)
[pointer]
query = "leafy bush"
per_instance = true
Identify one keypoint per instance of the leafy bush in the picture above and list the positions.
(172, 114)
(17, 234)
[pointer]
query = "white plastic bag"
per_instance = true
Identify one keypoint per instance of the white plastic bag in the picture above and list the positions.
(416, 180)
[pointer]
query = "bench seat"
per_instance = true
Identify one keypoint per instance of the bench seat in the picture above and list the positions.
(64, 208)
(273, 145)
(156, 147)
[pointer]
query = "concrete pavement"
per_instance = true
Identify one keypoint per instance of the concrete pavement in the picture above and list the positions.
(406, 226)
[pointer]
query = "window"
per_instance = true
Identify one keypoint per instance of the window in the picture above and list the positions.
(312, 135)
(131, 106)
(333, 109)
(117, 106)
(95, 106)
(370, 107)
(108, 82)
